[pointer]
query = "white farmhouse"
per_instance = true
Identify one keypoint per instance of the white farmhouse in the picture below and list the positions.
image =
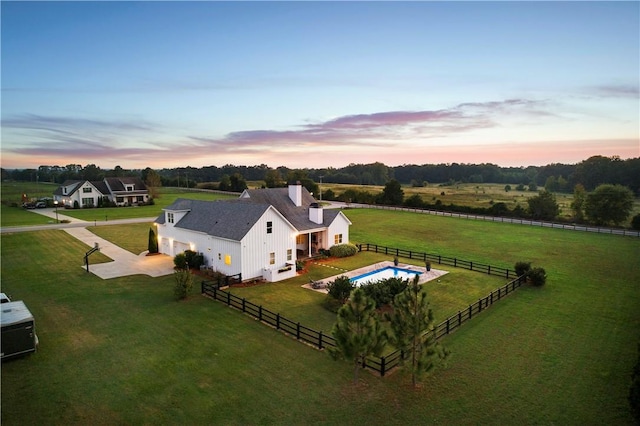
(259, 235)
(123, 191)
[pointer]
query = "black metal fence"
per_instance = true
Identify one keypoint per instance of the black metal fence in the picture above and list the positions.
(443, 260)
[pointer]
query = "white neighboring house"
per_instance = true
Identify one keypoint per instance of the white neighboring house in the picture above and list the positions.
(124, 191)
(259, 235)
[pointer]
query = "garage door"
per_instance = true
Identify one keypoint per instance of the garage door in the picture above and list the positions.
(179, 247)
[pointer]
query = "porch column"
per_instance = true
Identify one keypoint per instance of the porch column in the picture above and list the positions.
(309, 242)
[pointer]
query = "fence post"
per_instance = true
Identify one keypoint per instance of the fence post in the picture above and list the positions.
(448, 324)
(260, 312)
(470, 311)
(507, 274)
(278, 321)
(298, 332)
(489, 270)
(471, 266)
(215, 293)
(439, 259)
(228, 299)
(480, 305)
(382, 366)
(243, 305)
(320, 340)
(455, 262)
(459, 318)
(491, 295)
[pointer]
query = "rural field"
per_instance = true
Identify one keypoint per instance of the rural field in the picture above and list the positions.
(124, 351)
(473, 195)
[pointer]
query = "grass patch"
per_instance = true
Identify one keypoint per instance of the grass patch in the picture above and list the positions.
(133, 237)
(17, 216)
(123, 351)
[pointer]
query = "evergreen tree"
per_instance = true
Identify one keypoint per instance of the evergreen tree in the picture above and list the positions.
(357, 331)
(153, 241)
(412, 327)
(392, 193)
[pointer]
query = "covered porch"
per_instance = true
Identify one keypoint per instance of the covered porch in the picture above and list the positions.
(308, 244)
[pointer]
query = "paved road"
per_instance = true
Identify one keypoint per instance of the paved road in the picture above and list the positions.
(124, 263)
(73, 222)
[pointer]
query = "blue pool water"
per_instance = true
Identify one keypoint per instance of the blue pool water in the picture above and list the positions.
(383, 274)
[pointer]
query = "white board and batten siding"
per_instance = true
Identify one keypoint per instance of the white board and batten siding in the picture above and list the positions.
(340, 225)
(258, 244)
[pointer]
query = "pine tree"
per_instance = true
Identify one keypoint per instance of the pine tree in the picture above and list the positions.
(412, 330)
(153, 241)
(357, 331)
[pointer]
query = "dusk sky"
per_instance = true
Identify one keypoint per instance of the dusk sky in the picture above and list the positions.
(299, 84)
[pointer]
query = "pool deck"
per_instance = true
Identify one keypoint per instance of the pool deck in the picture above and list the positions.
(425, 275)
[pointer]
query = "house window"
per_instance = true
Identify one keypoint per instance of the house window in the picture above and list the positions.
(289, 254)
(219, 256)
(140, 198)
(86, 190)
(269, 227)
(272, 258)
(227, 259)
(338, 239)
(87, 202)
(170, 217)
(300, 239)
(129, 188)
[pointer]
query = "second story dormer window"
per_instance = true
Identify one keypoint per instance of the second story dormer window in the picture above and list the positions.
(129, 188)
(170, 217)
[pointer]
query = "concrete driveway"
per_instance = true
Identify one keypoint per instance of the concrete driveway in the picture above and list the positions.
(124, 263)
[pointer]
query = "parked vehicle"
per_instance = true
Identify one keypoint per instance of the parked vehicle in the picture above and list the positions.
(18, 335)
(41, 205)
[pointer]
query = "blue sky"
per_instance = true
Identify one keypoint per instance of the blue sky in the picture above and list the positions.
(325, 84)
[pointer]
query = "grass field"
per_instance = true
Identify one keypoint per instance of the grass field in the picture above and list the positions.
(474, 195)
(123, 351)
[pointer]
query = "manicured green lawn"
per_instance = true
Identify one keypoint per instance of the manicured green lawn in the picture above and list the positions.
(17, 216)
(133, 237)
(123, 351)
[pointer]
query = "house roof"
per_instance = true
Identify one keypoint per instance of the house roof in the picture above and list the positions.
(117, 184)
(298, 216)
(76, 184)
(228, 219)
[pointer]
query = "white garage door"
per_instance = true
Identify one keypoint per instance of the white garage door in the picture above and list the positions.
(179, 247)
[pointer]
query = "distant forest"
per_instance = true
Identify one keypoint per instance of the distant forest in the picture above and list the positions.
(556, 177)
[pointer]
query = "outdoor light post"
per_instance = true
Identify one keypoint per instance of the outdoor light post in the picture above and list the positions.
(55, 203)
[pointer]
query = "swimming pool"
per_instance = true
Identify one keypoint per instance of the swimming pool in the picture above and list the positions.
(383, 274)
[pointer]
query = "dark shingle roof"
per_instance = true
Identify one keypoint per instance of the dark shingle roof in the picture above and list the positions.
(298, 216)
(230, 219)
(118, 183)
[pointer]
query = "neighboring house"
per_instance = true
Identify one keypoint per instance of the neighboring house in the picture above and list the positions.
(259, 235)
(124, 191)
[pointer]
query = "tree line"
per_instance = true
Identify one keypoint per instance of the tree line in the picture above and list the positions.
(556, 177)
